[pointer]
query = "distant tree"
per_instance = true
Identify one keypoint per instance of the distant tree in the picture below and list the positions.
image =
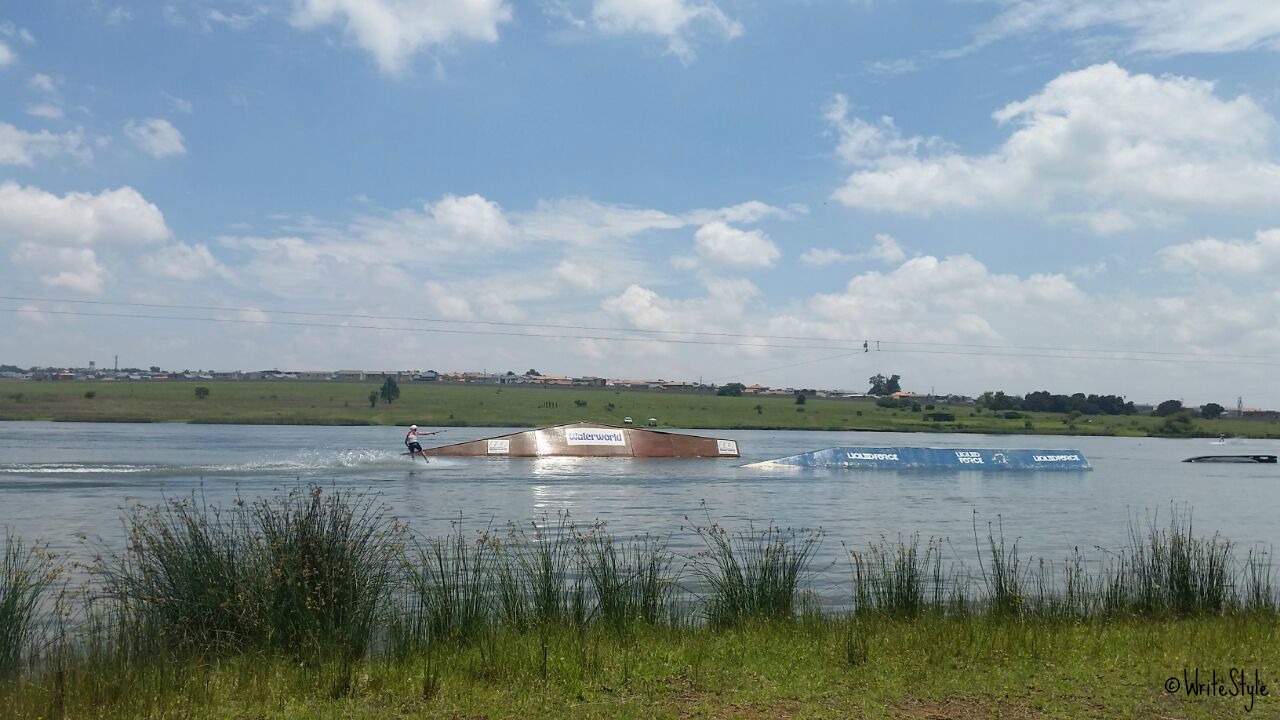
(202, 392)
(731, 390)
(155, 368)
(1168, 407)
(998, 400)
(511, 373)
(390, 391)
(89, 394)
(758, 408)
(373, 398)
(533, 373)
(1178, 423)
(800, 398)
(881, 385)
(1211, 411)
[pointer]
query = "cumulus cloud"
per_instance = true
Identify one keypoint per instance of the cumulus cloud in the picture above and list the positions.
(7, 56)
(181, 261)
(48, 111)
(885, 249)
(582, 221)
(42, 83)
(677, 22)
(121, 216)
(1110, 146)
(720, 244)
(234, 20)
(1159, 27)
(156, 137)
(586, 222)
(393, 31)
(1261, 256)
(725, 302)
(19, 147)
(75, 269)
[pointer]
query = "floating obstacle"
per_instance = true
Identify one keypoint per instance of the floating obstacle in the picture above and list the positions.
(1265, 459)
(591, 440)
(907, 458)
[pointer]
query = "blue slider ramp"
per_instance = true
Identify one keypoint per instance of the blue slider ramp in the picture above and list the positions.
(904, 458)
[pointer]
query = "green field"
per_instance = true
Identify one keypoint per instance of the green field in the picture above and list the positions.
(925, 668)
(317, 603)
(437, 405)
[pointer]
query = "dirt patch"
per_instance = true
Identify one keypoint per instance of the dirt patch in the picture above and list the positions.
(962, 708)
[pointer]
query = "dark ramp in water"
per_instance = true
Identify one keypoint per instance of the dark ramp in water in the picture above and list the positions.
(1267, 459)
(592, 440)
(903, 458)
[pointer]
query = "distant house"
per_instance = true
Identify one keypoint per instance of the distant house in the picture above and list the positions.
(756, 389)
(589, 381)
(350, 375)
(428, 376)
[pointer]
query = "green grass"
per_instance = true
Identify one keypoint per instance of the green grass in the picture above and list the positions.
(312, 604)
(335, 403)
(934, 667)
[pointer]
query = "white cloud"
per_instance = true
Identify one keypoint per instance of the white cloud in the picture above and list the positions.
(721, 244)
(1261, 256)
(445, 303)
(394, 30)
(181, 261)
(121, 216)
(48, 111)
(454, 224)
(676, 21)
(900, 66)
(118, 15)
(18, 147)
(886, 249)
(581, 221)
(235, 21)
(7, 56)
(74, 269)
(8, 29)
(180, 105)
(1160, 27)
(1108, 146)
(819, 257)
(43, 83)
(581, 275)
(156, 137)
(726, 301)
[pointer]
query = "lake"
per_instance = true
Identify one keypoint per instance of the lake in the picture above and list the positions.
(62, 481)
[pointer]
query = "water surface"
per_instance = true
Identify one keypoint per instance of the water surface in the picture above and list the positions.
(61, 482)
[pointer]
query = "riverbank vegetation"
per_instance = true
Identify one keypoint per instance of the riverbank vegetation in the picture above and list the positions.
(443, 405)
(318, 603)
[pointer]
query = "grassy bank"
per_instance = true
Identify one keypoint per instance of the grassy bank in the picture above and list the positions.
(327, 403)
(317, 603)
(877, 668)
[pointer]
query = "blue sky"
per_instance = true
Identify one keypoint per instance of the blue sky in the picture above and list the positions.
(964, 181)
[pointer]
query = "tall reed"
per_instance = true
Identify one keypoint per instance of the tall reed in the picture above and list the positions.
(301, 572)
(452, 585)
(752, 574)
(25, 576)
(631, 581)
(328, 563)
(897, 579)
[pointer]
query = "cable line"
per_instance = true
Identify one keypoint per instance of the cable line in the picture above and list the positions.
(595, 328)
(1118, 355)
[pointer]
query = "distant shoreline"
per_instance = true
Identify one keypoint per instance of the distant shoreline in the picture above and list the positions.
(308, 403)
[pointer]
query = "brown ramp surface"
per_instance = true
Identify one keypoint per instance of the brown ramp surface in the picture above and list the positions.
(592, 440)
